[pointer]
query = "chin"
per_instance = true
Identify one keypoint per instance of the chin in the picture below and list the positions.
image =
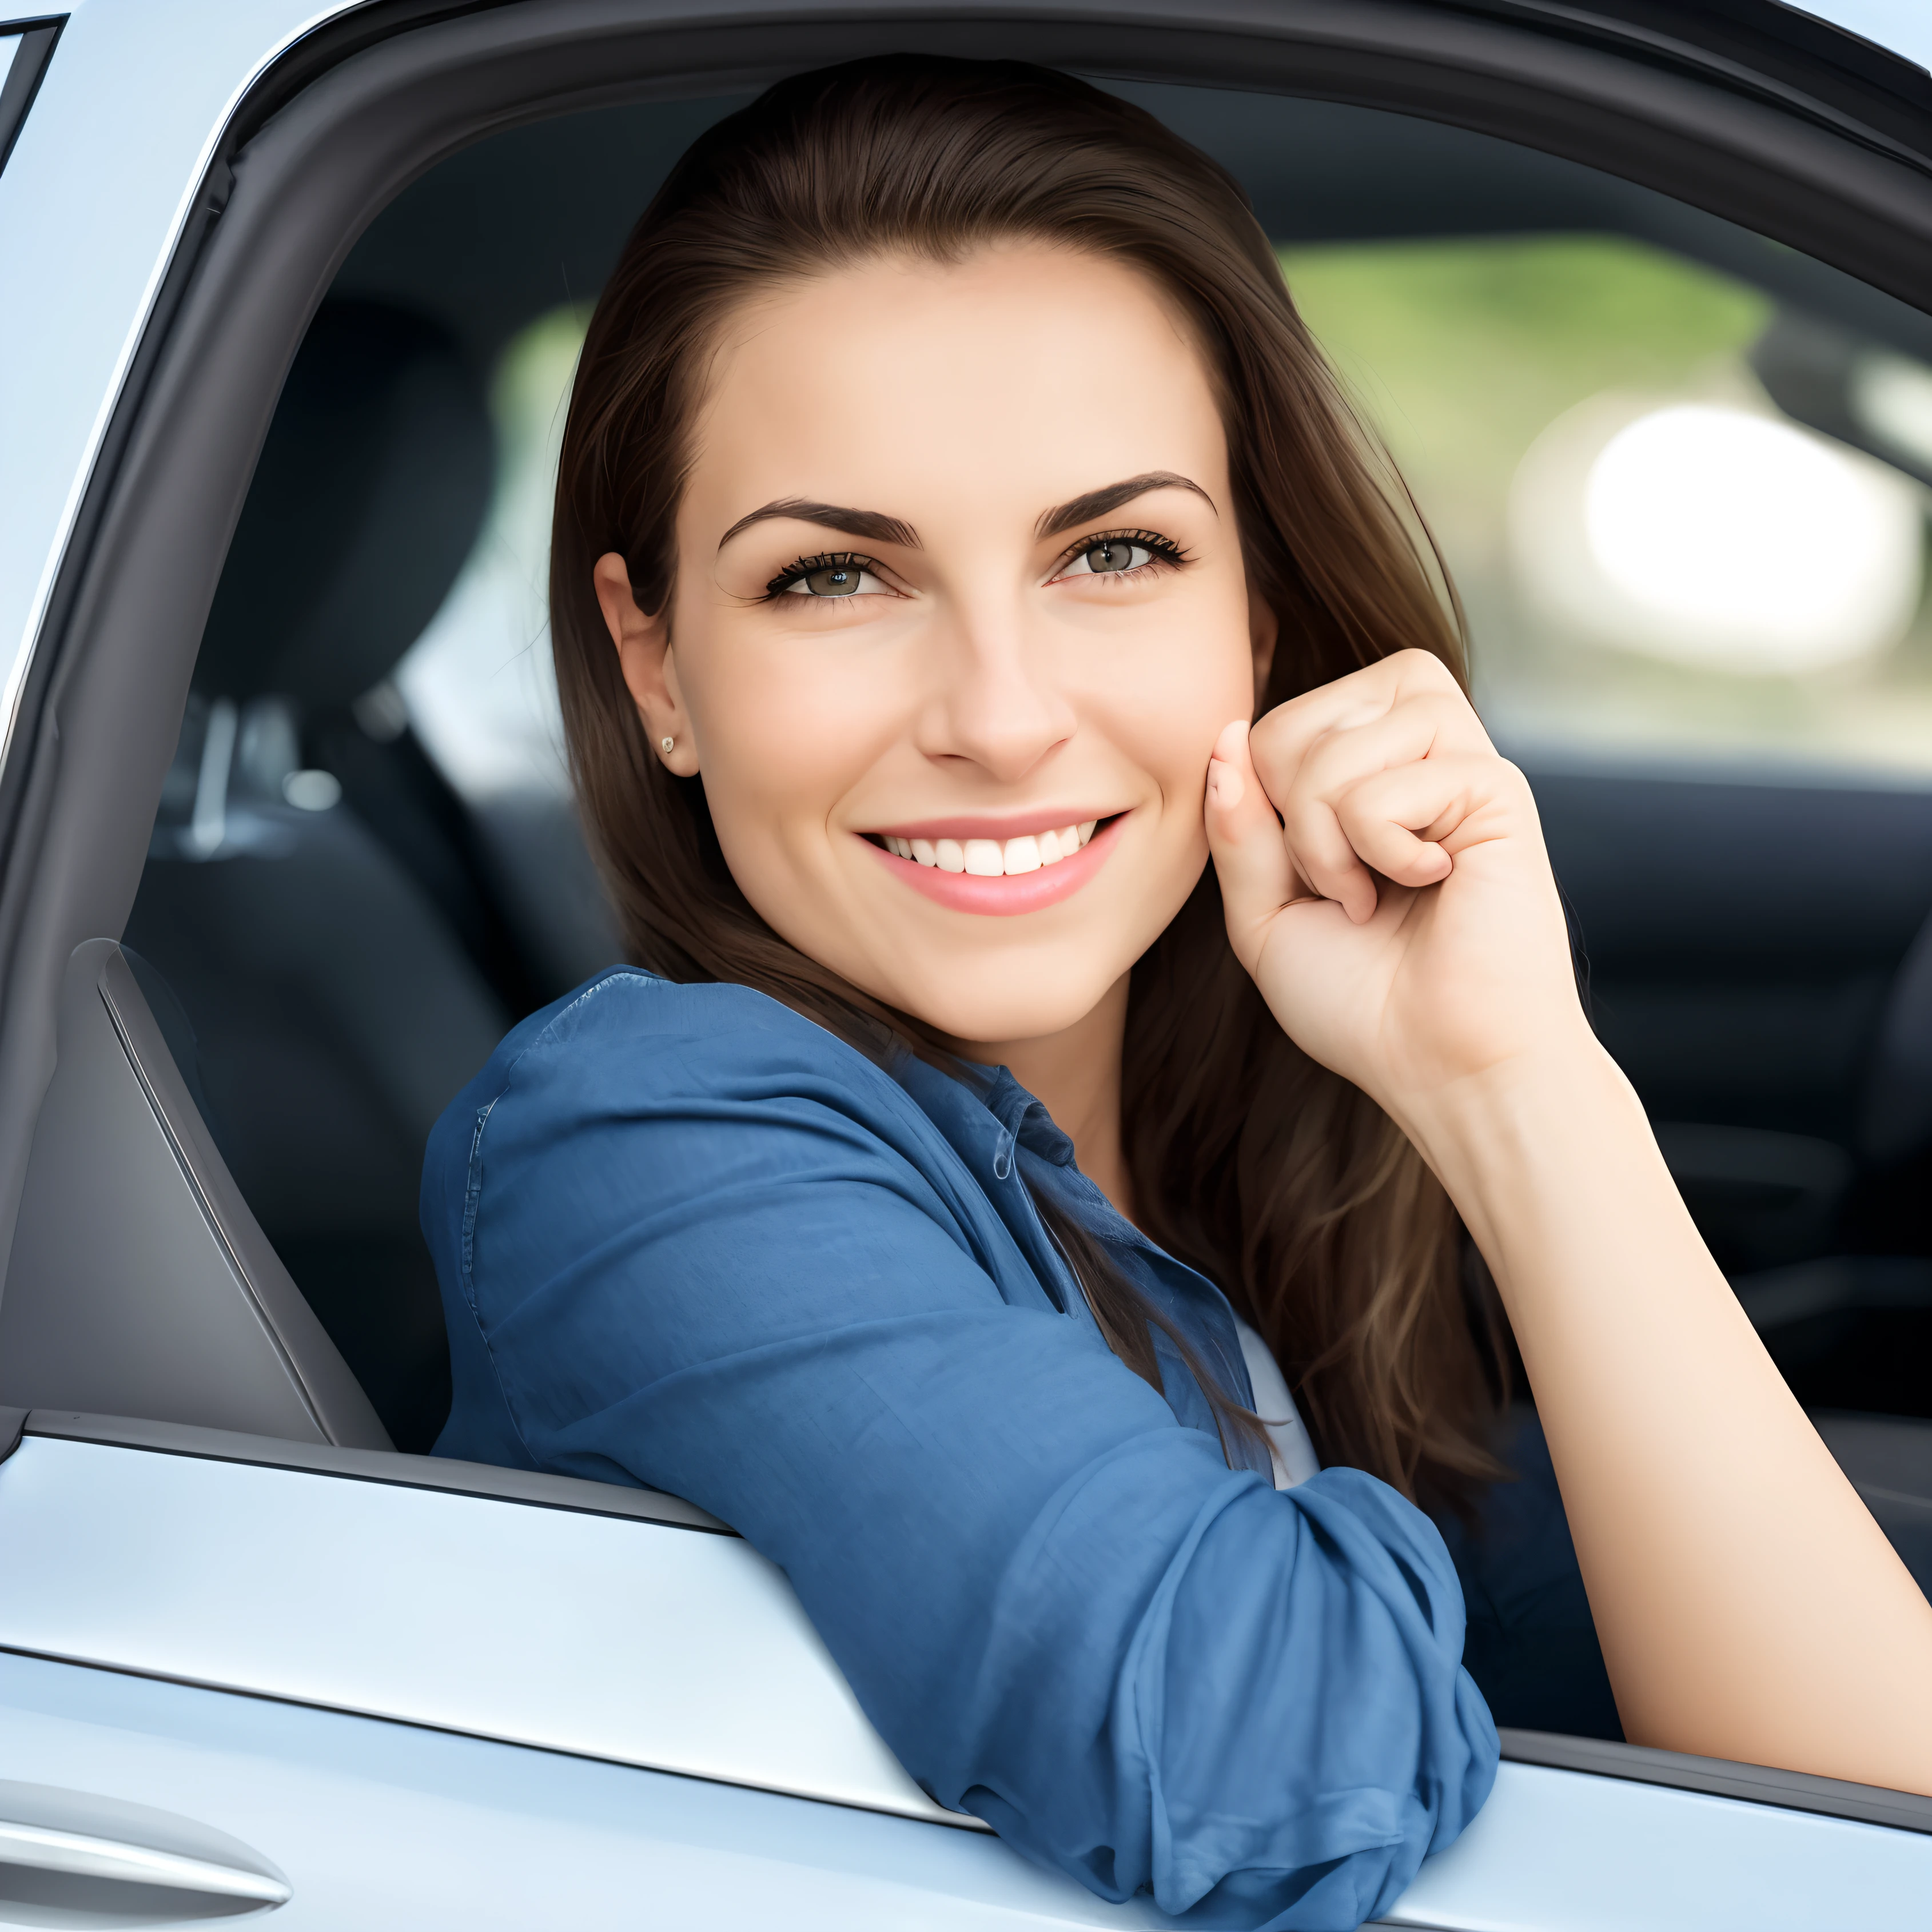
(996, 1007)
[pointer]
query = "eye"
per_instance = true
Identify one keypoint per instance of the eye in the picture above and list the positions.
(1119, 553)
(830, 576)
(1116, 553)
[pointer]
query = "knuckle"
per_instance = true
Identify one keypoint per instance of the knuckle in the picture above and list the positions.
(1429, 668)
(1516, 781)
(1307, 801)
(1270, 735)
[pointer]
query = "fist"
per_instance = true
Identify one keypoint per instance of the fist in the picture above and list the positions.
(1386, 884)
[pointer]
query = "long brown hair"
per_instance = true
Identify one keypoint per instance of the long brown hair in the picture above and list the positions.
(1275, 1178)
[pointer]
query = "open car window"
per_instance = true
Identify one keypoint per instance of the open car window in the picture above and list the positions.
(365, 864)
(1677, 473)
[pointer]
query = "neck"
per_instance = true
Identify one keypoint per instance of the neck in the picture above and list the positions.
(1076, 1075)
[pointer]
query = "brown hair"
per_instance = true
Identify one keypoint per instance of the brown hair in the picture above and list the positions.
(1277, 1178)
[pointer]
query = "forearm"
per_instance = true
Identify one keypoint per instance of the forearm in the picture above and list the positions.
(1748, 1606)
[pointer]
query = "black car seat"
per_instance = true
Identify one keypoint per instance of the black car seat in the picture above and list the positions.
(313, 897)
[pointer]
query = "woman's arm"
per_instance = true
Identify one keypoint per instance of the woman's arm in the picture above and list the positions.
(686, 1238)
(1748, 1606)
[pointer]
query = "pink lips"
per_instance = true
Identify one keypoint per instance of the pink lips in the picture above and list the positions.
(1014, 892)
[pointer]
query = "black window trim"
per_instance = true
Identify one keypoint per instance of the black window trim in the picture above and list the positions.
(1764, 48)
(1721, 1777)
(38, 36)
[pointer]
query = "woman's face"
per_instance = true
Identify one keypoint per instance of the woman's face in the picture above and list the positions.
(957, 570)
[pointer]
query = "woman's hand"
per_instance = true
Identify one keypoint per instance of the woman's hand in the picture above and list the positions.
(1456, 960)
(1748, 1606)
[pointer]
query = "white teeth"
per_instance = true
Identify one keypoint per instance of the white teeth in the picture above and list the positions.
(993, 858)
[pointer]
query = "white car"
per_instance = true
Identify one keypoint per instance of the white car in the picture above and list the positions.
(289, 293)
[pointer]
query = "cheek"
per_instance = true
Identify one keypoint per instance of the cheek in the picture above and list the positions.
(1167, 698)
(783, 731)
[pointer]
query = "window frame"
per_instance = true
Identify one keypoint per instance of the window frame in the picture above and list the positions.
(37, 37)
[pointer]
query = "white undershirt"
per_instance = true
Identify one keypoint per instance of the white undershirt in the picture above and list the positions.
(1293, 1453)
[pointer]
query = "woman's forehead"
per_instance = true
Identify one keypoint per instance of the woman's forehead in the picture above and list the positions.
(1023, 371)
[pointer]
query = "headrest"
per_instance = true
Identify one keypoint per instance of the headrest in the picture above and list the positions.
(370, 490)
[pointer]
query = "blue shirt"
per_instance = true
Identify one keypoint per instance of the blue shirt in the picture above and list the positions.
(688, 1239)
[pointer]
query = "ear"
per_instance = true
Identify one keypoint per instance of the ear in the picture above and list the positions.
(1263, 628)
(650, 673)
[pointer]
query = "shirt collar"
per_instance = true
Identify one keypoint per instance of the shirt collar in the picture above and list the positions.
(991, 1121)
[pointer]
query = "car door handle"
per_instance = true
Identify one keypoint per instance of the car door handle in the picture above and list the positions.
(78, 1862)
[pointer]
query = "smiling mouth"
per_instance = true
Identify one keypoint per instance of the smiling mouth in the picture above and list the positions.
(981, 865)
(992, 858)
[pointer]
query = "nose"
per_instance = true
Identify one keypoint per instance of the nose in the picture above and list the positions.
(997, 705)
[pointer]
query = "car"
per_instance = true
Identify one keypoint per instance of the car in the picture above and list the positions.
(1640, 297)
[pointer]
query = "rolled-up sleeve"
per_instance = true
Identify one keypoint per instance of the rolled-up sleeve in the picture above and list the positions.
(733, 1269)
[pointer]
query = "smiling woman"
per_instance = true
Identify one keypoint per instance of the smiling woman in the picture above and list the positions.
(973, 1188)
(935, 685)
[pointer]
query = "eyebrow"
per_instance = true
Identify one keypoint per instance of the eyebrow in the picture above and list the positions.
(874, 525)
(1099, 502)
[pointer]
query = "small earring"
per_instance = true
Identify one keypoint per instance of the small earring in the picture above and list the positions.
(666, 743)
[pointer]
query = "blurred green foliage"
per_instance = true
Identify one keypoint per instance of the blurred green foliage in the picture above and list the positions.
(1461, 351)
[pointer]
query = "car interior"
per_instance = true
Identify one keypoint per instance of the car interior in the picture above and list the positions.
(365, 864)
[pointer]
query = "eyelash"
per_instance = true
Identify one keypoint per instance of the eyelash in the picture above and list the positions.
(1164, 553)
(805, 566)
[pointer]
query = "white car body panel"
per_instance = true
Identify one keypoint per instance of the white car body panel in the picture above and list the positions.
(92, 200)
(382, 1825)
(1560, 1851)
(675, 1650)
(681, 1649)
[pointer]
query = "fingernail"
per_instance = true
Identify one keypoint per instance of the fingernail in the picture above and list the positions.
(1229, 743)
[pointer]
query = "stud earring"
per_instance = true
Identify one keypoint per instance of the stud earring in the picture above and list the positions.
(666, 743)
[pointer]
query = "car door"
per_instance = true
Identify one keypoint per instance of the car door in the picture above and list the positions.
(257, 1659)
